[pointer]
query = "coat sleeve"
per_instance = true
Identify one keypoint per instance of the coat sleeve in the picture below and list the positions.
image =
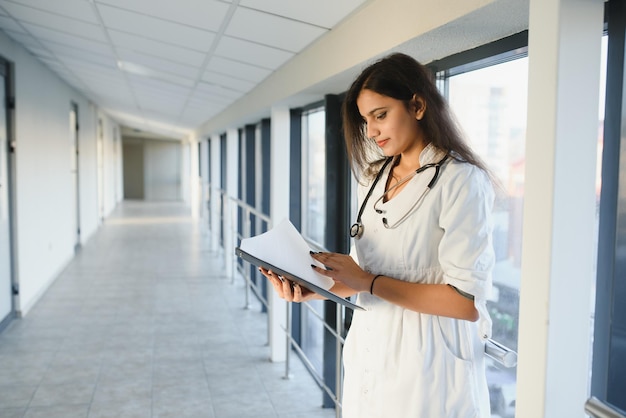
(466, 251)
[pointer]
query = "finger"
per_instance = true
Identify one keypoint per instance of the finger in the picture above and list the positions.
(287, 290)
(297, 293)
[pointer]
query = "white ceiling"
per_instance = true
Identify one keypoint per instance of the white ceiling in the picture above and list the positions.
(162, 65)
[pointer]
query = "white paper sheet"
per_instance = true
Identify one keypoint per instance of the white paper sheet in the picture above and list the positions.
(284, 247)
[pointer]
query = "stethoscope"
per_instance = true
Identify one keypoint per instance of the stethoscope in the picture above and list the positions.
(356, 230)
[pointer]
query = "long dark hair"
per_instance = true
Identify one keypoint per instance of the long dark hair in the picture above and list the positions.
(401, 77)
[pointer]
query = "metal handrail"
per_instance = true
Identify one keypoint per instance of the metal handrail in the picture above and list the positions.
(598, 409)
(493, 349)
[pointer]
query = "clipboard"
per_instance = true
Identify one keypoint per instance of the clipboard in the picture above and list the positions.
(312, 287)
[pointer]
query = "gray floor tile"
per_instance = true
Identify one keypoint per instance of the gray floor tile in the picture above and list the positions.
(65, 394)
(16, 396)
(11, 412)
(65, 411)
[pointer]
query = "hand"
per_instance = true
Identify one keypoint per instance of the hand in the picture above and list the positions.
(343, 269)
(286, 289)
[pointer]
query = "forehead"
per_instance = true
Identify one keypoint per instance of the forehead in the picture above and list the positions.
(369, 101)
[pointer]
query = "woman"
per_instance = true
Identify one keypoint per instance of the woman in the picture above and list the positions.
(424, 254)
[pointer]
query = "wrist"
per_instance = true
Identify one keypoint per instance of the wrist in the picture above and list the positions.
(373, 282)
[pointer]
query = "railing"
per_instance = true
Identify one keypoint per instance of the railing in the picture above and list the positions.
(230, 208)
(598, 409)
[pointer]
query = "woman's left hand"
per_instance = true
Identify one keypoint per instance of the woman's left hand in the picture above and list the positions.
(343, 269)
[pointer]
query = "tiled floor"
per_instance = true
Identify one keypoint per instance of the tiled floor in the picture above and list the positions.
(144, 324)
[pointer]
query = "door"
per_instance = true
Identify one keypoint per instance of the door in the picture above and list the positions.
(6, 303)
(74, 151)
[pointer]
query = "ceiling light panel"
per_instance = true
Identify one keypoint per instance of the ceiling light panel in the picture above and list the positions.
(202, 14)
(272, 30)
(157, 63)
(158, 49)
(157, 29)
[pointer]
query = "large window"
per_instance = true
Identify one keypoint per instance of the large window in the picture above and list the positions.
(490, 105)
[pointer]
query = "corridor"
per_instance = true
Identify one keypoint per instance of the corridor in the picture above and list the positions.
(144, 324)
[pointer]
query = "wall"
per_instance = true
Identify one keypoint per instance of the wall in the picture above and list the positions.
(156, 168)
(45, 192)
(133, 169)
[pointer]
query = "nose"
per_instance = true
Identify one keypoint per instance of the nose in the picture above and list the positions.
(372, 131)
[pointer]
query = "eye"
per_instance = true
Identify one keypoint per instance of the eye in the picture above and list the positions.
(381, 115)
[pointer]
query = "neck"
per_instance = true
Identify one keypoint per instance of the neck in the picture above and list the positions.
(409, 160)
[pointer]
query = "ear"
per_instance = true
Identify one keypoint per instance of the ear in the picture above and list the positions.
(420, 107)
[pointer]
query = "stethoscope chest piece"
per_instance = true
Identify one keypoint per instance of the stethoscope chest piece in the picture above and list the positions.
(356, 230)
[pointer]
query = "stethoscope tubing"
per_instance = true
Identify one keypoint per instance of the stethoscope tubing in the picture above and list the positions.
(356, 230)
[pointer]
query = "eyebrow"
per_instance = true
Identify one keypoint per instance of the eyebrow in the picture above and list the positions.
(371, 112)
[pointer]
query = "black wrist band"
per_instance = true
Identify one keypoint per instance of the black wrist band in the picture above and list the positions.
(372, 284)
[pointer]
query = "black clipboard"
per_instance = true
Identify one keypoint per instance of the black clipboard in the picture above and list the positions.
(321, 291)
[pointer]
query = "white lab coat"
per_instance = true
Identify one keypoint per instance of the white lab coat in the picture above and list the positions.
(400, 363)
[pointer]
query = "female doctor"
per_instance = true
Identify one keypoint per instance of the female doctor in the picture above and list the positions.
(422, 268)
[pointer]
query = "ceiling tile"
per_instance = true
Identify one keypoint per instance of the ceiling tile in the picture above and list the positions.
(54, 21)
(211, 90)
(76, 9)
(158, 49)
(272, 30)
(104, 58)
(226, 81)
(40, 52)
(157, 85)
(238, 69)
(157, 29)
(252, 53)
(9, 24)
(204, 14)
(324, 13)
(49, 37)
(24, 39)
(169, 79)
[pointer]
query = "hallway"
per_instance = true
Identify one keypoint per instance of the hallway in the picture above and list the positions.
(143, 324)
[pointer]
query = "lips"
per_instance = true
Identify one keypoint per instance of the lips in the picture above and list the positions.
(382, 142)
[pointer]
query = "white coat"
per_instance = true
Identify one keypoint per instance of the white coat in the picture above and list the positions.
(400, 363)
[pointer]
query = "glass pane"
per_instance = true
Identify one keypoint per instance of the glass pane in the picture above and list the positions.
(490, 105)
(313, 222)
(314, 189)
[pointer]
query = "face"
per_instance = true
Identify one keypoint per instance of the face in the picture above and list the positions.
(395, 128)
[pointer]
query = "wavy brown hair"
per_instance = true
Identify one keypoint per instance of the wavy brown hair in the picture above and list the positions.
(401, 77)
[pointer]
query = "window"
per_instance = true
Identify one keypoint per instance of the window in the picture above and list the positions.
(490, 106)
(313, 221)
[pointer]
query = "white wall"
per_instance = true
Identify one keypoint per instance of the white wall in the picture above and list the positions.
(163, 162)
(45, 191)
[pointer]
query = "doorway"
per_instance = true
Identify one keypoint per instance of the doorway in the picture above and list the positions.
(7, 307)
(74, 153)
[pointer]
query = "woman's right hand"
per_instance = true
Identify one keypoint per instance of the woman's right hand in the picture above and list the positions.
(286, 289)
